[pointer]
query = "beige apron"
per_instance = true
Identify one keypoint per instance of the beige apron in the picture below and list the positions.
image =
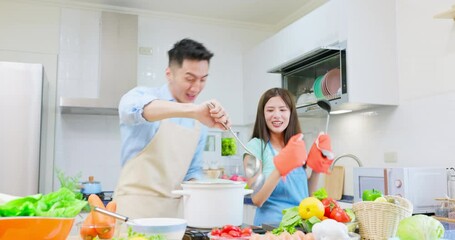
(146, 181)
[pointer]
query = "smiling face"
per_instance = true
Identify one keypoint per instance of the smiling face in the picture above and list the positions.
(276, 114)
(187, 81)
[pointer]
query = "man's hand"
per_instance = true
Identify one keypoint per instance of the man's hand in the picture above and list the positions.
(213, 115)
(292, 156)
(321, 157)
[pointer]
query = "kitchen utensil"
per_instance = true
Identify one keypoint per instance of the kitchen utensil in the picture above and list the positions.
(205, 201)
(113, 214)
(334, 182)
(324, 104)
(252, 163)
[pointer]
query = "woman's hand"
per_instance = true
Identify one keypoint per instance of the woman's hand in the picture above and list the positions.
(293, 155)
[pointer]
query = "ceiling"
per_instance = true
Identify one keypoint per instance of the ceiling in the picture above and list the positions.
(271, 14)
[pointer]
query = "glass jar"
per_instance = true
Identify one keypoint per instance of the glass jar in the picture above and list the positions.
(228, 144)
(443, 209)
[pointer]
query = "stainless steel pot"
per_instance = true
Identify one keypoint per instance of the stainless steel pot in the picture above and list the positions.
(212, 204)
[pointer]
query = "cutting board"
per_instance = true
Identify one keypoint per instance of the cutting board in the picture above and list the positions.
(334, 182)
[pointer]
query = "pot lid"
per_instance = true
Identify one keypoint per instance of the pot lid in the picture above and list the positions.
(216, 181)
(91, 180)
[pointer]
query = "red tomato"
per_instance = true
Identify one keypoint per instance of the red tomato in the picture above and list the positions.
(329, 205)
(225, 235)
(227, 228)
(247, 231)
(234, 233)
(339, 215)
(215, 232)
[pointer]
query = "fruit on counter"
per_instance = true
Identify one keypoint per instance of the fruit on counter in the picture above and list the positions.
(381, 199)
(420, 227)
(339, 215)
(234, 177)
(329, 205)
(311, 206)
(371, 194)
(231, 231)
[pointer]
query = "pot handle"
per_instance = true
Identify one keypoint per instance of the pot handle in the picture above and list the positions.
(247, 191)
(181, 192)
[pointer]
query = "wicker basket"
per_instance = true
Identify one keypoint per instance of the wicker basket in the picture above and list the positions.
(379, 220)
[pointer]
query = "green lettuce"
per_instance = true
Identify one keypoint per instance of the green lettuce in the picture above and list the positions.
(420, 227)
(61, 203)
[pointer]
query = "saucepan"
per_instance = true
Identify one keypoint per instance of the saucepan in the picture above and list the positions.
(205, 201)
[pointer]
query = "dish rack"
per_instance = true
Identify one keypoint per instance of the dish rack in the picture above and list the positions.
(379, 220)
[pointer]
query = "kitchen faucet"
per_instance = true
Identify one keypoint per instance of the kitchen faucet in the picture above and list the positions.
(352, 156)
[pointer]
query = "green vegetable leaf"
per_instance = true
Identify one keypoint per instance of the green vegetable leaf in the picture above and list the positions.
(350, 214)
(291, 219)
(62, 203)
(320, 194)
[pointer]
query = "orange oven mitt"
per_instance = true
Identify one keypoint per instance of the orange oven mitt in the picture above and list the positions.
(293, 155)
(321, 157)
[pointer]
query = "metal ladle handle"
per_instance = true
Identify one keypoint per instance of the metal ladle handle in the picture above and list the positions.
(210, 105)
(112, 214)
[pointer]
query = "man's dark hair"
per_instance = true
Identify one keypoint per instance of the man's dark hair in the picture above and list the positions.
(188, 49)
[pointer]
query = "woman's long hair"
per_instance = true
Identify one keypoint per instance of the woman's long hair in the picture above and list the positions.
(261, 130)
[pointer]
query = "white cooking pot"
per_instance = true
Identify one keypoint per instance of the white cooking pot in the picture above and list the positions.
(215, 203)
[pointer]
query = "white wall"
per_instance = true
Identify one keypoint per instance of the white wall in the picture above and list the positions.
(420, 129)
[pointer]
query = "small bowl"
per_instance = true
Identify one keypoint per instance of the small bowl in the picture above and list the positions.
(13, 228)
(90, 231)
(171, 228)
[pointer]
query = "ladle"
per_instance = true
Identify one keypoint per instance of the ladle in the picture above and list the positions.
(324, 104)
(252, 163)
(113, 214)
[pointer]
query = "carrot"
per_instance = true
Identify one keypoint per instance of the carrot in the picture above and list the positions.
(99, 219)
(87, 232)
(111, 206)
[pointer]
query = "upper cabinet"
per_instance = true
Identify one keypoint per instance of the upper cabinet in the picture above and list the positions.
(356, 38)
(97, 61)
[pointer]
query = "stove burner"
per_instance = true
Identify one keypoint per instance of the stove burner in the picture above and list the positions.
(105, 196)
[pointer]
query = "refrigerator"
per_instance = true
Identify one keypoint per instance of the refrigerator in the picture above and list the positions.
(21, 87)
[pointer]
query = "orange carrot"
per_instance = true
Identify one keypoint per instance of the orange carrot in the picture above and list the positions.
(99, 219)
(111, 206)
(87, 230)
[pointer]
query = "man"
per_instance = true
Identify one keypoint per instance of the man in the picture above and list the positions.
(162, 138)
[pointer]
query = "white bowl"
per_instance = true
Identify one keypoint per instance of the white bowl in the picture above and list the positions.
(171, 228)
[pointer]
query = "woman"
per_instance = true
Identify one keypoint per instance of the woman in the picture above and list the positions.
(277, 141)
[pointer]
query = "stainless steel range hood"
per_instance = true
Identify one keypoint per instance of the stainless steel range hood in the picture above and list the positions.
(117, 66)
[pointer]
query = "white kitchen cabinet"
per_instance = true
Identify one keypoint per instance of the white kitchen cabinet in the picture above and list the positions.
(370, 37)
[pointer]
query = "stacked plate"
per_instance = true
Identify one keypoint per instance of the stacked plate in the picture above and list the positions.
(327, 86)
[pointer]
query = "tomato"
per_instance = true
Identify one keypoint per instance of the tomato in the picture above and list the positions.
(247, 231)
(215, 232)
(235, 233)
(329, 205)
(339, 215)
